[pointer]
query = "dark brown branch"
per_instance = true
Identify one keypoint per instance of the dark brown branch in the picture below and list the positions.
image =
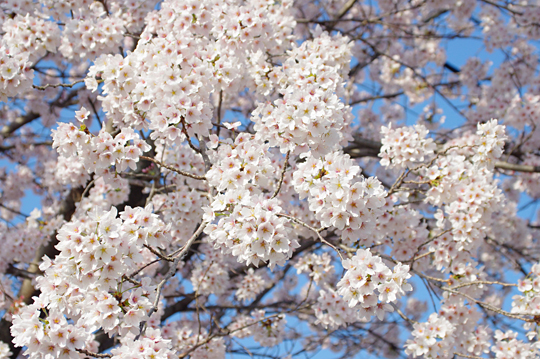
(362, 147)
(517, 168)
(44, 87)
(19, 122)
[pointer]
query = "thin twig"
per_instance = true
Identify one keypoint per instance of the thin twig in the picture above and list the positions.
(170, 273)
(285, 164)
(170, 168)
(44, 87)
(95, 355)
(219, 112)
(489, 306)
(161, 256)
(317, 231)
(184, 131)
(481, 282)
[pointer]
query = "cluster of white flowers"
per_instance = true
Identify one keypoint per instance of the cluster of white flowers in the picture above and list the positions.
(31, 36)
(93, 29)
(332, 310)
(251, 285)
(254, 232)
(318, 267)
(467, 335)
(507, 346)
(53, 337)
(465, 189)
(16, 74)
(131, 12)
(339, 197)
(105, 193)
(69, 170)
(490, 141)
(310, 112)
(249, 226)
(91, 37)
(367, 274)
(182, 209)
(94, 256)
(529, 301)
(5, 353)
(242, 166)
(150, 346)
(268, 331)
(404, 227)
(432, 339)
(405, 146)
(185, 336)
(210, 278)
(100, 152)
(22, 241)
(25, 40)
(168, 80)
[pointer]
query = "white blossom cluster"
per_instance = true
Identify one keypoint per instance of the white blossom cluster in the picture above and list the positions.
(16, 75)
(254, 232)
(96, 28)
(149, 346)
(402, 225)
(318, 267)
(339, 197)
(267, 330)
(490, 142)
(432, 339)
(91, 37)
(310, 112)
(368, 285)
(249, 226)
(529, 301)
(465, 189)
(185, 336)
(405, 146)
(85, 283)
(5, 353)
(251, 285)
(19, 243)
(507, 346)
(30, 36)
(468, 196)
(130, 12)
(184, 55)
(100, 152)
(25, 39)
(332, 310)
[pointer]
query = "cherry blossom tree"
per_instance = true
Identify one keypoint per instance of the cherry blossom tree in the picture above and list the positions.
(269, 179)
